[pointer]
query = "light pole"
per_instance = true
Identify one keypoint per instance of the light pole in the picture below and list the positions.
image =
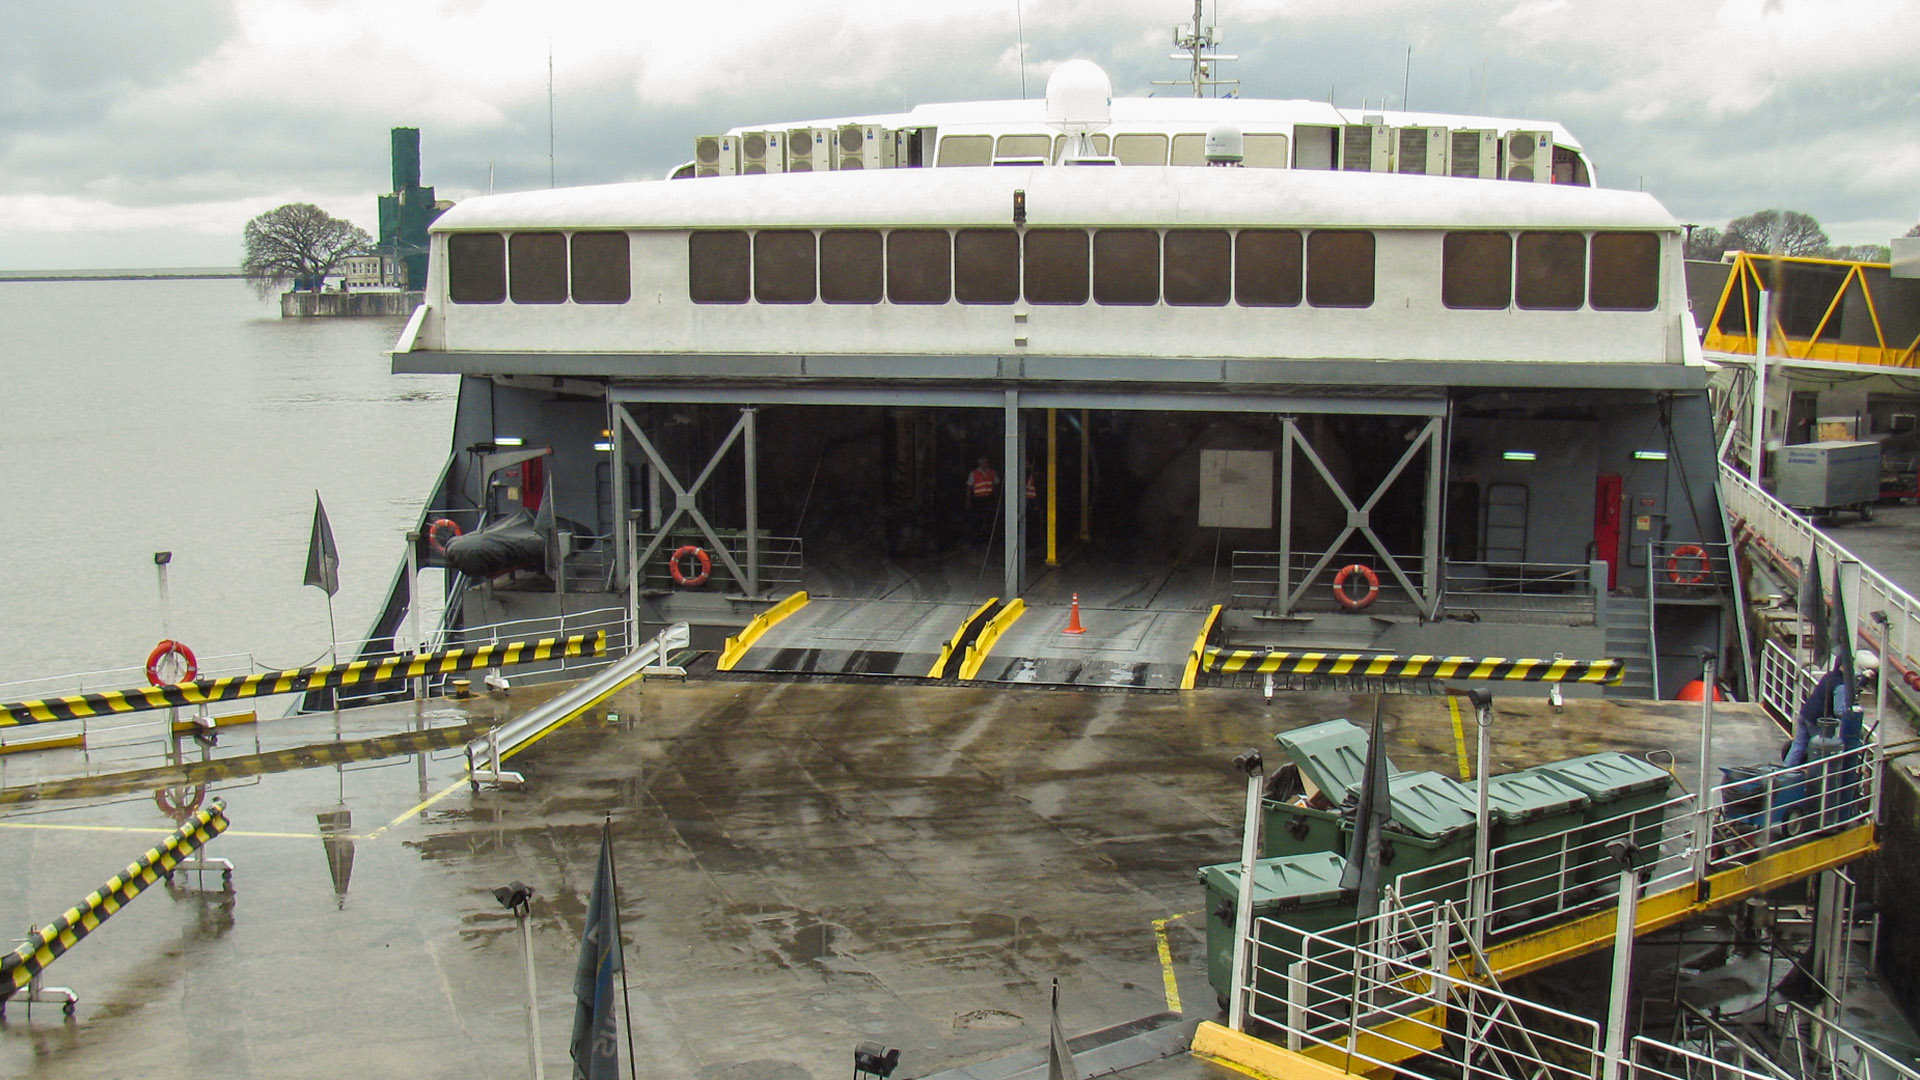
(518, 898)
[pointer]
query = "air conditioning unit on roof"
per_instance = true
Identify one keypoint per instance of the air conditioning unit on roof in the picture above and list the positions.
(1529, 157)
(762, 152)
(1420, 150)
(801, 154)
(715, 155)
(1365, 148)
(1474, 154)
(864, 146)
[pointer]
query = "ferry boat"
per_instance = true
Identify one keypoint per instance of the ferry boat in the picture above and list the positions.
(1347, 388)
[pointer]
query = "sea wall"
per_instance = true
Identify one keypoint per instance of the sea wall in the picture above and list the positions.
(307, 305)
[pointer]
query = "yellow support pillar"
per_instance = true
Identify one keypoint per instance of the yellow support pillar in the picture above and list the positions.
(1053, 475)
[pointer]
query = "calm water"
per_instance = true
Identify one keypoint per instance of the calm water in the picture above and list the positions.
(188, 416)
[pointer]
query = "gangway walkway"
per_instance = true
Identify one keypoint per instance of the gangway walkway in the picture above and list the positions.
(1378, 994)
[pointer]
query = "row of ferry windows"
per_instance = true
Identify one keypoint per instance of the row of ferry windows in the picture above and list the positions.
(1534, 270)
(1138, 148)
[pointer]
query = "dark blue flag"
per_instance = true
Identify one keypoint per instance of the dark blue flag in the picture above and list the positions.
(595, 1047)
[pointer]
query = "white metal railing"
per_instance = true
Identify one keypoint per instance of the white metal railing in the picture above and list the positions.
(1886, 616)
(1784, 681)
(1651, 1059)
(1822, 1048)
(613, 621)
(1381, 1004)
(1316, 988)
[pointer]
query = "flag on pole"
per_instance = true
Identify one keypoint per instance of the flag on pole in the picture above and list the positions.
(595, 1046)
(1370, 817)
(1060, 1064)
(1840, 633)
(323, 559)
(1813, 607)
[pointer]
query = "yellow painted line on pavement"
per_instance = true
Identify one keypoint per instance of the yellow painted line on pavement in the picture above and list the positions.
(1166, 959)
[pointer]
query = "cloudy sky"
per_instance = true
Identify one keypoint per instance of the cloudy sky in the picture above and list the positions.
(146, 134)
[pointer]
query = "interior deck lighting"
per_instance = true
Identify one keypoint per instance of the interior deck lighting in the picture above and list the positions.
(508, 440)
(1649, 455)
(603, 446)
(1518, 455)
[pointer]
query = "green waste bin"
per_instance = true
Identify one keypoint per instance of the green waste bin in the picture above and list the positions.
(1536, 828)
(1625, 793)
(1433, 823)
(1331, 758)
(1301, 891)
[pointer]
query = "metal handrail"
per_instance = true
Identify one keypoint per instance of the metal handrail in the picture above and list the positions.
(1833, 1040)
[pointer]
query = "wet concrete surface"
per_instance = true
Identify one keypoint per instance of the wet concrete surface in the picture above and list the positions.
(803, 866)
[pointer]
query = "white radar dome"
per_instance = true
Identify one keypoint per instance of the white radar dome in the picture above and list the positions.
(1079, 96)
(1225, 145)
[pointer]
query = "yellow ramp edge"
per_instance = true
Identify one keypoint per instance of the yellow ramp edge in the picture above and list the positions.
(737, 646)
(946, 648)
(989, 636)
(1188, 677)
(219, 723)
(58, 742)
(1258, 1057)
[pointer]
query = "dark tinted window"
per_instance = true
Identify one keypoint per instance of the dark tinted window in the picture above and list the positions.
(718, 267)
(1552, 273)
(850, 266)
(986, 266)
(538, 267)
(1340, 269)
(1126, 266)
(919, 266)
(1056, 266)
(783, 266)
(476, 268)
(1267, 267)
(1476, 270)
(1198, 263)
(602, 273)
(1625, 272)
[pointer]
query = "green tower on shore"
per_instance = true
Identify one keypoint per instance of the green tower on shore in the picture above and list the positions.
(406, 212)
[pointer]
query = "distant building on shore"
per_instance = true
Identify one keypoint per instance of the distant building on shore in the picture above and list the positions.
(405, 213)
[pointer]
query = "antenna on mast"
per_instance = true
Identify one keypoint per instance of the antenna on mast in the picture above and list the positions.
(550, 112)
(1194, 40)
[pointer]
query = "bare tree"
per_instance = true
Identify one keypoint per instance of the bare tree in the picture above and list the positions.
(1915, 231)
(1777, 232)
(298, 241)
(1875, 253)
(1706, 242)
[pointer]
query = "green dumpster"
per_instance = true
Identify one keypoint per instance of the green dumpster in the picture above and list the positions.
(1625, 792)
(1537, 818)
(1432, 824)
(1301, 891)
(1331, 759)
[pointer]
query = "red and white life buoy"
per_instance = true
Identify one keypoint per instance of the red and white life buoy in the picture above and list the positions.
(677, 566)
(442, 532)
(180, 803)
(1688, 551)
(166, 648)
(1347, 599)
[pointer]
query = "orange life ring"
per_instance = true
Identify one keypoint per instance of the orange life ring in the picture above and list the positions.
(435, 530)
(169, 647)
(1691, 551)
(680, 576)
(1348, 600)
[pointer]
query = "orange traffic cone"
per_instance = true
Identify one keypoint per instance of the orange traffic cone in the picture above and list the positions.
(1073, 618)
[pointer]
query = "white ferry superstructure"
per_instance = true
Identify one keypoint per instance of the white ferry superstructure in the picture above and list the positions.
(1377, 410)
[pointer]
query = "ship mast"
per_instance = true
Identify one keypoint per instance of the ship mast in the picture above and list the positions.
(1194, 40)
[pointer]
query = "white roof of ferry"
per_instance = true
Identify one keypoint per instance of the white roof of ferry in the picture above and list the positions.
(1059, 195)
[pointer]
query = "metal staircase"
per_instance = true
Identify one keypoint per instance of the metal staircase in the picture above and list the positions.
(1630, 640)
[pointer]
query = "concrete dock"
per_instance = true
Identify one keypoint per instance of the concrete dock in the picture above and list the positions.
(803, 866)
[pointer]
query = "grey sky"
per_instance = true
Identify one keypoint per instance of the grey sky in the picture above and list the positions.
(147, 134)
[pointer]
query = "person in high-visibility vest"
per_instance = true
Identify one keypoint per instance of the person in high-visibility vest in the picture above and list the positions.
(982, 485)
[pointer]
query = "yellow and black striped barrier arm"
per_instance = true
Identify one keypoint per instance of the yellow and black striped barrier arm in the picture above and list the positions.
(51, 941)
(300, 680)
(1391, 666)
